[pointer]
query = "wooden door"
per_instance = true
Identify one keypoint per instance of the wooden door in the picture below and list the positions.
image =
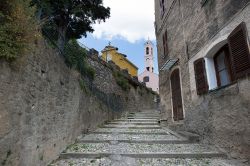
(176, 95)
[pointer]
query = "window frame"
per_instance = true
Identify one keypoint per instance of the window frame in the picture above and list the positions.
(228, 65)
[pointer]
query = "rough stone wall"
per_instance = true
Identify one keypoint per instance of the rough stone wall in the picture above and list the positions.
(43, 109)
(222, 116)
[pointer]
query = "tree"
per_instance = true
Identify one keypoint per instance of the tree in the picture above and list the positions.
(69, 19)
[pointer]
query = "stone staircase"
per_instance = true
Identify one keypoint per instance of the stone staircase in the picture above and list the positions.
(138, 139)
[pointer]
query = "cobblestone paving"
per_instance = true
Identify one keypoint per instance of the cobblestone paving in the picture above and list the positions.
(121, 130)
(141, 149)
(125, 161)
(128, 137)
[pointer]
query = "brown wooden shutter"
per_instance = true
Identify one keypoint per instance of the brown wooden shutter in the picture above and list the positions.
(239, 50)
(200, 76)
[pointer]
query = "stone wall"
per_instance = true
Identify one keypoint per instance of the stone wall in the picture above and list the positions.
(43, 108)
(221, 116)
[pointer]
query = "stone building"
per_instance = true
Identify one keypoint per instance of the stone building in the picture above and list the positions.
(110, 53)
(204, 69)
(148, 76)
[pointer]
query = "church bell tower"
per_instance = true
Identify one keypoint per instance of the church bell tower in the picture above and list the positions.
(149, 57)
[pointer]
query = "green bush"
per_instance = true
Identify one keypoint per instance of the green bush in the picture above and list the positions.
(17, 28)
(75, 57)
(121, 81)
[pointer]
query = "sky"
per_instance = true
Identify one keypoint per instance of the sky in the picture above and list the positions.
(131, 23)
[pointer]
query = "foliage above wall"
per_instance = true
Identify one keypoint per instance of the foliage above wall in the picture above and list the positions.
(121, 80)
(17, 28)
(69, 19)
(75, 58)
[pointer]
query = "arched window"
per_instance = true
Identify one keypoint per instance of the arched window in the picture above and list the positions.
(147, 50)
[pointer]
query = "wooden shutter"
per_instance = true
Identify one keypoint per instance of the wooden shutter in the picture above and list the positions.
(239, 51)
(200, 76)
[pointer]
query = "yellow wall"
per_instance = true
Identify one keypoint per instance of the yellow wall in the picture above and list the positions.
(120, 61)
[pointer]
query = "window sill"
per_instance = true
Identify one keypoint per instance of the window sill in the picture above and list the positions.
(222, 87)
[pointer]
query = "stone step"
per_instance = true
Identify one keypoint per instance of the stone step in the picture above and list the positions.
(144, 155)
(150, 118)
(122, 160)
(126, 131)
(142, 117)
(174, 141)
(144, 149)
(143, 114)
(135, 120)
(133, 123)
(131, 137)
(133, 126)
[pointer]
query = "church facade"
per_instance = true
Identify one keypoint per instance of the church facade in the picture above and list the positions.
(148, 77)
(110, 53)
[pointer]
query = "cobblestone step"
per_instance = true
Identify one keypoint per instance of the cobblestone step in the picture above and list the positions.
(142, 117)
(127, 161)
(135, 120)
(130, 138)
(132, 126)
(133, 123)
(134, 131)
(154, 150)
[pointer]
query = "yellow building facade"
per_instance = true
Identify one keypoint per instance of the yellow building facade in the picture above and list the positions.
(110, 53)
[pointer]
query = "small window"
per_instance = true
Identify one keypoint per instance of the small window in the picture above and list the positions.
(147, 50)
(147, 68)
(162, 8)
(146, 79)
(203, 2)
(165, 43)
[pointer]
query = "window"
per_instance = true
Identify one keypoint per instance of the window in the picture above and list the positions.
(162, 8)
(109, 57)
(147, 50)
(147, 68)
(146, 79)
(203, 2)
(223, 67)
(165, 43)
(230, 63)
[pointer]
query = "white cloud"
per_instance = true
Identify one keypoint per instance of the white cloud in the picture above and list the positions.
(130, 19)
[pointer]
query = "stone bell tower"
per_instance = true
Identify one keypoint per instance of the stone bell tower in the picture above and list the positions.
(148, 56)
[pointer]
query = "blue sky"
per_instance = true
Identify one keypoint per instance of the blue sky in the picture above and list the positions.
(128, 28)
